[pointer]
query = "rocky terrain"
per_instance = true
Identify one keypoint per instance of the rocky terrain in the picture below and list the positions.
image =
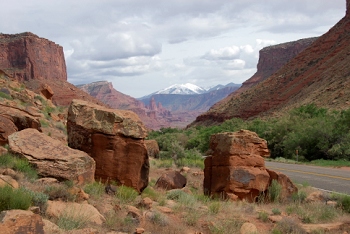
(319, 74)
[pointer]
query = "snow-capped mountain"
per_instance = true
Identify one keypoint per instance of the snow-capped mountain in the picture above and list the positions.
(183, 89)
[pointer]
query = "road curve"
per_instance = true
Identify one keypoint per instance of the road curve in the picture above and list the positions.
(327, 178)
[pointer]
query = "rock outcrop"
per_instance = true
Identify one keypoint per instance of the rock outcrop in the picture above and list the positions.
(21, 221)
(236, 169)
(26, 56)
(40, 65)
(52, 158)
(319, 74)
(13, 119)
(114, 138)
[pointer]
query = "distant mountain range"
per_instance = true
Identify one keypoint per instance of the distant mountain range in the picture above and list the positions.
(188, 89)
(189, 97)
(175, 106)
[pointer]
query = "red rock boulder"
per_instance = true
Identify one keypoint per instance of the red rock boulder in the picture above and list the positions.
(236, 169)
(114, 138)
(14, 119)
(51, 157)
(171, 180)
(21, 221)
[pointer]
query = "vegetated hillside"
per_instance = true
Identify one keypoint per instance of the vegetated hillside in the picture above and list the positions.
(195, 102)
(320, 74)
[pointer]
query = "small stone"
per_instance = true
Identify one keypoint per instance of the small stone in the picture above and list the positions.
(139, 230)
(248, 228)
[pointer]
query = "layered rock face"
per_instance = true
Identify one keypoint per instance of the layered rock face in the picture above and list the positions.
(114, 138)
(236, 169)
(52, 158)
(39, 64)
(26, 56)
(319, 74)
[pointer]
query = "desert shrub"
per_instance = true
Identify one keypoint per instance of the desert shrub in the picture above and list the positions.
(95, 189)
(214, 207)
(191, 218)
(18, 164)
(158, 218)
(276, 211)
(344, 202)
(151, 193)
(14, 198)
(59, 191)
(69, 220)
(175, 194)
(288, 226)
(226, 226)
(274, 191)
(61, 127)
(5, 96)
(299, 197)
(126, 194)
(38, 199)
(263, 216)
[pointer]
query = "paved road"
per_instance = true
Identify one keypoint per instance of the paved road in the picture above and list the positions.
(331, 179)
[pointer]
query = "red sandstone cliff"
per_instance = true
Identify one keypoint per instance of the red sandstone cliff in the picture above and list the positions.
(36, 61)
(320, 74)
(271, 59)
(26, 56)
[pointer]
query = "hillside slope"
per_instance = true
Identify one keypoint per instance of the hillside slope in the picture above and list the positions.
(320, 74)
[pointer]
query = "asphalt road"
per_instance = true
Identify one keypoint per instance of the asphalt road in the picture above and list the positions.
(331, 179)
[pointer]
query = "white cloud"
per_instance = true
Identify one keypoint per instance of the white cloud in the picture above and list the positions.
(129, 40)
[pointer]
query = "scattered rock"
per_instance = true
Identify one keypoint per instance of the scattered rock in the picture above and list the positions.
(74, 210)
(164, 209)
(6, 180)
(185, 169)
(171, 180)
(248, 228)
(46, 91)
(9, 172)
(135, 214)
(47, 180)
(51, 228)
(288, 188)
(146, 203)
(316, 196)
(275, 218)
(51, 157)
(78, 193)
(139, 230)
(325, 227)
(114, 138)
(111, 189)
(3, 150)
(21, 221)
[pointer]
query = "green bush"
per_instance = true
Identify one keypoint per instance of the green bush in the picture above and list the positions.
(344, 203)
(95, 189)
(71, 220)
(274, 191)
(12, 161)
(5, 95)
(14, 198)
(126, 194)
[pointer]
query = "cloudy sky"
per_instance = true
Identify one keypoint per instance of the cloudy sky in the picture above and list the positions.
(146, 45)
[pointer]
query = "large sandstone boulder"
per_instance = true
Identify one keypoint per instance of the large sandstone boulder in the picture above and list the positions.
(114, 138)
(52, 158)
(13, 119)
(74, 211)
(236, 169)
(21, 221)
